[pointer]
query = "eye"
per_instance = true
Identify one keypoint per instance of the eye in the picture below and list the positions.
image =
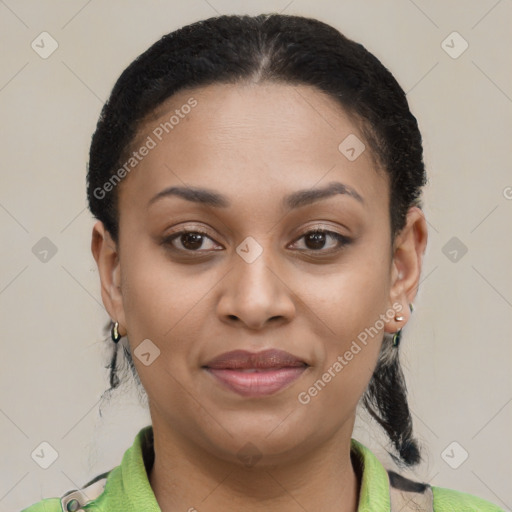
(190, 241)
(316, 240)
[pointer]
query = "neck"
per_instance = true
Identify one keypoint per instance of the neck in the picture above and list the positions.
(185, 477)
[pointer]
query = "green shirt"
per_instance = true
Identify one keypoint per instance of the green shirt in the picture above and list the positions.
(126, 488)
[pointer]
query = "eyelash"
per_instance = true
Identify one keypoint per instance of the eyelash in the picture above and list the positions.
(342, 239)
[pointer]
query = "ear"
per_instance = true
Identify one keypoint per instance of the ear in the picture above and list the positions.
(106, 254)
(408, 251)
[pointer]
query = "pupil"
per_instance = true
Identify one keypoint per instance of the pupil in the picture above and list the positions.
(192, 241)
(318, 239)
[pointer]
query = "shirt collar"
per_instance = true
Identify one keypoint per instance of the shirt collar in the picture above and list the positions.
(128, 488)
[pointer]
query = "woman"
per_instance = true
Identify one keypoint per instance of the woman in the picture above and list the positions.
(260, 237)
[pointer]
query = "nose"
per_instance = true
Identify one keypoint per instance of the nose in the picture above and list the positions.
(255, 294)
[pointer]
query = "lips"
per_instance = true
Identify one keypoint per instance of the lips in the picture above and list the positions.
(256, 374)
(243, 360)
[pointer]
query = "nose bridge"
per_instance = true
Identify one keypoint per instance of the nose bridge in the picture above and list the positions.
(253, 276)
(254, 293)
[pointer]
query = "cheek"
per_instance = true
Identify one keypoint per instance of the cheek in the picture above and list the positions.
(352, 304)
(161, 305)
(166, 303)
(156, 292)
(352, 297)
(349, 352)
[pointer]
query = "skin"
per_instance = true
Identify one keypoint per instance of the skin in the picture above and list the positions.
(255, 143)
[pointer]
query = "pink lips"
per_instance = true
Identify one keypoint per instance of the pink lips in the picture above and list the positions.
(256, 374)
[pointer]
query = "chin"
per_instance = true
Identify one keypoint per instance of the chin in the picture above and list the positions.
(269, 439)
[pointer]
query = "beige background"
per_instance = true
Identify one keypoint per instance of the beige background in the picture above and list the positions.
(457, 348)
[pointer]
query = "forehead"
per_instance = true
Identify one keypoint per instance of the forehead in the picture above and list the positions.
(242, 137)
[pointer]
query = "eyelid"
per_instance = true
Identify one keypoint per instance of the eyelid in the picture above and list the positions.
(190, 228)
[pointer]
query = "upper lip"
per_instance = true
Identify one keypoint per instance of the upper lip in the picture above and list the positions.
(242, 359)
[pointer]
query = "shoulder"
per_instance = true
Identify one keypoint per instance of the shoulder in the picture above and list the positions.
(455, 501)
(407, 494)
(75, 500)
(114, 489)
(47, 505)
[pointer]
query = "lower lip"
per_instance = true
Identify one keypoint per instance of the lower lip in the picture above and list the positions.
(260, 383)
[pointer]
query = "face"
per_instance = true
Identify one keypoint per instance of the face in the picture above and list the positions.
(261, 261)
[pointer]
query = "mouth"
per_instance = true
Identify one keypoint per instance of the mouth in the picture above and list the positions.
(256, 374)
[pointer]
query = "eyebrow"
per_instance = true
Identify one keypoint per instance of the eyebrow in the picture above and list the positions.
(294, 200)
